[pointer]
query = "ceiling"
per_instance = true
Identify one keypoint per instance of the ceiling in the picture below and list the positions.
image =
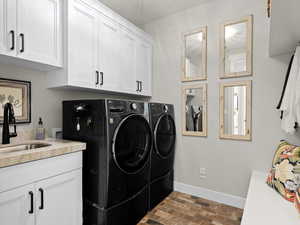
(144, 11)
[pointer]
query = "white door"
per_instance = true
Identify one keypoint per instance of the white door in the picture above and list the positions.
(144, 67)
(39, 31)
(127, 61)
(108, 54)
(17, 206)
(59, 200)
(8, 27)
(83, 22)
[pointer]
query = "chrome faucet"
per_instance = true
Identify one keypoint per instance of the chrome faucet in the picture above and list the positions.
(8, 118)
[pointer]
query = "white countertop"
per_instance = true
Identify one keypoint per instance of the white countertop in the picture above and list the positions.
(264, 206)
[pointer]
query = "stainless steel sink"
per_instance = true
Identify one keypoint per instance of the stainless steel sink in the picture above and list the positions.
(23, 147)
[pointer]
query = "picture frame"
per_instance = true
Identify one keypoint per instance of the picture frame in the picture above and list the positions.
(235, 119)
(194, 100)
(236, 48)
(18, 93)
(200, 35)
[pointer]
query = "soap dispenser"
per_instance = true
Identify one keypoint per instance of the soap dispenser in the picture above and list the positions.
(40, 130)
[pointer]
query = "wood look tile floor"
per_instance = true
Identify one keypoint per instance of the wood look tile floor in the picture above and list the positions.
(183, 209)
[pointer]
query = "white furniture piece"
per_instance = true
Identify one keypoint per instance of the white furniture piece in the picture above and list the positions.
(103, 52)
(284, 27)
(31, 33)
(42, 192)
(265, 206)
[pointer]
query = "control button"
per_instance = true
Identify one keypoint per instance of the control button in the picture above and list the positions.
(166, 108)
(111, 120)
(133, 106)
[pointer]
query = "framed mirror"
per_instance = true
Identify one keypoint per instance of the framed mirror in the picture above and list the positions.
(195, 55)
(235, 110)
(195, 110)
(236, 48)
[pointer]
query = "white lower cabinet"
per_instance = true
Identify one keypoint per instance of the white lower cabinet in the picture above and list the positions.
(55, 196)
(15, 206)
(58, 200)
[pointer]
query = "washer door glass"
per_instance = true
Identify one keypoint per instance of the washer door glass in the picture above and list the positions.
(164, 135)
(132, 143)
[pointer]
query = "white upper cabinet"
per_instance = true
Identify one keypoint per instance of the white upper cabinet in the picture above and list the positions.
(144, 67)
(108, 55)
(127, 61)
(103, 52)
(31, 32)
(82, 51)
(39, 35)
(8, 27)
(284, 27)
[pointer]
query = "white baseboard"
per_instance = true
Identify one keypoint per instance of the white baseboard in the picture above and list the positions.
(223, 198)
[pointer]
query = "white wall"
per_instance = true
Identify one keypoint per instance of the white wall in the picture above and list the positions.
(228, 163)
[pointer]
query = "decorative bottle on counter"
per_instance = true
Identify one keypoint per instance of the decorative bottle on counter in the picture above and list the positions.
(40, 130)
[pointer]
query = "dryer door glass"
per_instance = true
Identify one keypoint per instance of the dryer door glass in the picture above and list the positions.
(132, 143)
(164, 135)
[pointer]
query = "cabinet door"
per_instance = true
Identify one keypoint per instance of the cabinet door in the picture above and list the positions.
(108, 54)
(39, 31)
(127, 61)
(83, 22)
(59, 200)
(144, 67)
(8, 27)
(16, 208)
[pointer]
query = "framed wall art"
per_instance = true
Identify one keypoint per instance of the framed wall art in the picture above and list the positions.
(18, 93)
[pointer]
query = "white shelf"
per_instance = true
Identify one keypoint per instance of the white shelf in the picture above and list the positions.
(284, 27)
(265, 206)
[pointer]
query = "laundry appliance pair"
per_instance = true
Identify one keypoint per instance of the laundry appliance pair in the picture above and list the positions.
(128, 164)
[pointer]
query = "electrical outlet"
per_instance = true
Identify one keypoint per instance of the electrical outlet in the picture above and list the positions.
(202, 173)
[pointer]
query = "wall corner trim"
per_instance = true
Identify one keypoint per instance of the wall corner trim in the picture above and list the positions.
(219, 197)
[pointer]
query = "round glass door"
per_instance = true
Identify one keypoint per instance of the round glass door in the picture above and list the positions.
(132, 143)
(164, 135)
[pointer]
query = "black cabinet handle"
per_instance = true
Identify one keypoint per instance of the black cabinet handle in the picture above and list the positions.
(22, 43)
(12, 40)
(141, 86)
(42, 198)
(97, 77)
(102, 78)
(137, 86)
(31, 202)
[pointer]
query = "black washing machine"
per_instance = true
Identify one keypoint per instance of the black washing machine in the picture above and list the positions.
(116, 164)
(162, 156)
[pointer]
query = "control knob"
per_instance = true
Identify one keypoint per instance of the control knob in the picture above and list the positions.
(166, 108)
(133, 106)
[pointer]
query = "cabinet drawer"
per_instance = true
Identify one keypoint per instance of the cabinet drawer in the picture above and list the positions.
(22, 174)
